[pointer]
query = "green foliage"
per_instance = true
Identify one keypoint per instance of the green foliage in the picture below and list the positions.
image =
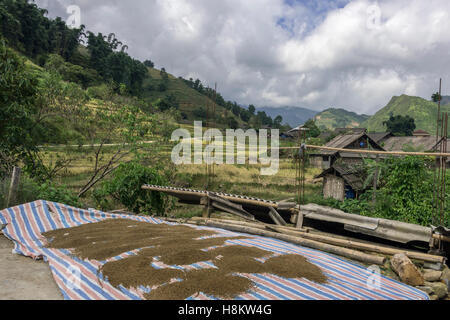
(149, 64)
(313, 131)
(29, 31)
(405, 192)
(29, 190)
(436, 97)
(400, 125)
(332, 118)
(125, 186)
(200, 113)
(424, 113)
(118, 67)
(169, 101)
(102, 92)
(18, 94)
(73, 73)
(60, 194)
(277, 122)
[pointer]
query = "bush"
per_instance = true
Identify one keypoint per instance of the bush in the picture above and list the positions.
(29, 191)
(405, 193)
(125, 186)
(60, 194)
(102, 92)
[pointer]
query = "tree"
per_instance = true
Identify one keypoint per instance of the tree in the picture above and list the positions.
(277, 121)
(236, 109)
(232, 122)
(169, 101)
(400, 125)
(313, 130)
(149, 64)
(436, 97)
(17, 126)
(252, 109)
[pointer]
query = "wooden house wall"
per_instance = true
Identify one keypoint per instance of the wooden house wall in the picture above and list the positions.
(333, 187)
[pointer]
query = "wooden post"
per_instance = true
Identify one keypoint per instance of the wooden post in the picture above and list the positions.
(207, 208)
(15, 178)
(299, 224)
(375, 182)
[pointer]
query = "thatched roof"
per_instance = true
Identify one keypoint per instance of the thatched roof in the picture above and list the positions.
(424, 143)
(344, 140)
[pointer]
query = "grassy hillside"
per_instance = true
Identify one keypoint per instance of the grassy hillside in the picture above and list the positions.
(188, 99)
(423, 111)
(331, 119)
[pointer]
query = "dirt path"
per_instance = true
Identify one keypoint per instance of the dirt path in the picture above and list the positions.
(22, 278)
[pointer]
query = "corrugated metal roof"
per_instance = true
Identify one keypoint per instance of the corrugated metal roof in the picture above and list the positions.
(378, 136)
(418, 142)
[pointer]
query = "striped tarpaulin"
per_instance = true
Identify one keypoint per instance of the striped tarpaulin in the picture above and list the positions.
(80, 280)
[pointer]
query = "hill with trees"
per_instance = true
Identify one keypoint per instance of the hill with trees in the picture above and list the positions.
(95, 61)
(333, 118)
(424, 113)
(293, 116)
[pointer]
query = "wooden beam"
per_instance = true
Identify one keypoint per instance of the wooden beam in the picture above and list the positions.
(275, 216)
(353, 244)
(344, 252)
(363, 151)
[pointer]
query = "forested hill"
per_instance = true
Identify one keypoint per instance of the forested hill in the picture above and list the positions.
(95, 61)
(294, 116)
(332, 118)
(424, 113)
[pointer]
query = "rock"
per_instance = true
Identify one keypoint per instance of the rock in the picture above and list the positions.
(445, 274)
(426, 289)
(445, 277)
(431, 275)
(406, 270)
(435, 266)
(440, 289)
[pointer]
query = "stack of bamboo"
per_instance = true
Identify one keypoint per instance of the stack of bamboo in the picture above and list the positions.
(352, 249)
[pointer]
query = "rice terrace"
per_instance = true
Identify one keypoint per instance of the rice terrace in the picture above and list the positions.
(124, 178)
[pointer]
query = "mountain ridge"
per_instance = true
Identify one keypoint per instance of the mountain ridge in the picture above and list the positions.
(424, 113)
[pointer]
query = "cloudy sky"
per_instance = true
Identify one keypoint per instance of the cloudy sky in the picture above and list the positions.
(316, 54)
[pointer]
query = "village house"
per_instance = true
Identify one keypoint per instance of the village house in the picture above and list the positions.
(324, 159)
(343, 176)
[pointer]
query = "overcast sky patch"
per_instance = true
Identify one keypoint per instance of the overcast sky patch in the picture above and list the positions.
(315, 54)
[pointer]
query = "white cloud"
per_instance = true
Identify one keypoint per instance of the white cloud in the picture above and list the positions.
(266, 52)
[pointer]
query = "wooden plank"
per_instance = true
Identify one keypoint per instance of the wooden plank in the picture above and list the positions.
(300, 218)
(275, 216)
(243, 214)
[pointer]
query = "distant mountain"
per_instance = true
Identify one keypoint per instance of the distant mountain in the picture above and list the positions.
(423, 111)
(332, 118)
(294, 116)
(445, 100)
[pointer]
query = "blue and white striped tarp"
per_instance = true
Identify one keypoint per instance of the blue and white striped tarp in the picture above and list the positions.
(80, 280)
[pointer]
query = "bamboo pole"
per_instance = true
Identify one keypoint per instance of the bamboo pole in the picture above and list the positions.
(255, 224)
(15, 179)
(344, 252)
(395, 153)
(363, 246)
(340, 242)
